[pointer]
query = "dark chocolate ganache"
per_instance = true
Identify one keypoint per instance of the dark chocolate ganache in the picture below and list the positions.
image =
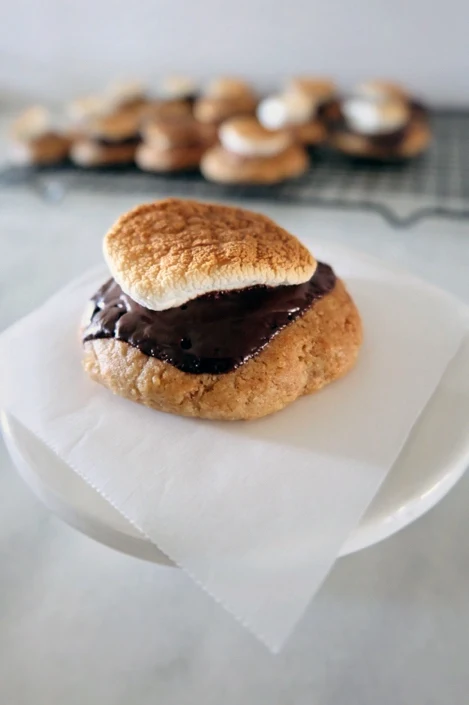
(214, 333)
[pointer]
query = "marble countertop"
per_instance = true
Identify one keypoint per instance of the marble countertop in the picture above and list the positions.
(81, 624)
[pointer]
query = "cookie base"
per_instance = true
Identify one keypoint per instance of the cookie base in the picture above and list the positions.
(151, 158)
(43, 151)
(315, 350)
(216, 110)
(218, 164)
(88, 153)
(415, 142)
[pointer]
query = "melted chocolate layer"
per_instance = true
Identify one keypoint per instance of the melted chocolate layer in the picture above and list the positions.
(215, 333)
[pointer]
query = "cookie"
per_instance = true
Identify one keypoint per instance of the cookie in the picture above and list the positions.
(45, 150)
(381, 128)
(218, 164)
(157, 159)
(215, 110)
(90, 153)
(246, 136)
(316, 349)
(225, 98)
(108, 140)
(86, 108)
(116, 127)
(34, 142)
(295, 111)
(166, 110)
(177, 131)
(174, 144)
(320, 89)
(227, 87)
(251, 154)
(178, 87)
(127, 94)
(215, 312)
(414, 142)
(166, 253)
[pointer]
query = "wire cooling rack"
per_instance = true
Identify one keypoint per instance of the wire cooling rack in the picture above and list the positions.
(403, 193)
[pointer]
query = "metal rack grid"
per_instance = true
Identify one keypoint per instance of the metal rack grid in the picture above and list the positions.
(403, 193)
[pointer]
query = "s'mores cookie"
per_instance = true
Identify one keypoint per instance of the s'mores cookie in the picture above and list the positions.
(215, 312)
(380, 121)
(108, 140)
(224, 98)
(179, 88)
(250, 154)
(34, 141)
(127, 94)
(174, 144)
(299, 109)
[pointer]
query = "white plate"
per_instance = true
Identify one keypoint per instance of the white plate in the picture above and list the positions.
(434, 458)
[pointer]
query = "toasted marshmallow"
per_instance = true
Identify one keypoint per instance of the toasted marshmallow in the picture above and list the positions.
(123, 92)
(31, 124)
(227, 87)
(371, 117)
(166, 253)
(246, 137)
(380, 90)
(174, 87)
(87, 107)
(284, 110)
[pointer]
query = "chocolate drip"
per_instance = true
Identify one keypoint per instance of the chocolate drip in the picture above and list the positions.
(215, 333)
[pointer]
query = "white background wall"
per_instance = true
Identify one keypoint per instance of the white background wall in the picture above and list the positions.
(61, 46)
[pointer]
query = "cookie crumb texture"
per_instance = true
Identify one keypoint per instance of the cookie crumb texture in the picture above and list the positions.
(316, 349)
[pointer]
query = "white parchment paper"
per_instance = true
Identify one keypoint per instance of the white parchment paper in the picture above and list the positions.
(256, 512)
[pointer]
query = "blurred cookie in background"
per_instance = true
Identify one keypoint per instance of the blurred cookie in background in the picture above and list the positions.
(166, 109)
(177, 95)
(224, 98)
(82, 110)
(34, 141)
(250, 154)
(299, 110)
(174, 143)
(85, 108)
(379, 120)
(323, 94)
(126, 95)
(182, 88)
(108, 140)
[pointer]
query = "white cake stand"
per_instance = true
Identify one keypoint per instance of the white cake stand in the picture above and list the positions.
(434, 458)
